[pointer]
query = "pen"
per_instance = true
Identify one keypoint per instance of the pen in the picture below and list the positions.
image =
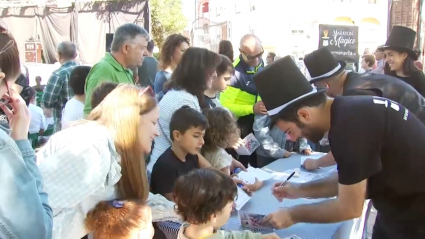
(290, 176)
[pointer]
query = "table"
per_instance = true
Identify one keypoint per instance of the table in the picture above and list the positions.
(262, 202)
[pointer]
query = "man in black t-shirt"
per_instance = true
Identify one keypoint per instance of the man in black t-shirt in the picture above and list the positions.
(378, 146)
(322, 64)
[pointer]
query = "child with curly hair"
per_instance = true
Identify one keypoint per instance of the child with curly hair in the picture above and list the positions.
(128, 219)
(204, 199)
(222, 133)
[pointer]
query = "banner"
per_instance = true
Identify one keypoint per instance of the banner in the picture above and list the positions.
(342, 41)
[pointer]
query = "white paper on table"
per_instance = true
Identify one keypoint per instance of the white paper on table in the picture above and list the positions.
(250, 145)
(313, 156)
(252, 173)
(302, 176)
(242, 199)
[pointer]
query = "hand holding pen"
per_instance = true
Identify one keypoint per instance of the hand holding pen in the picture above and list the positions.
(285, 189)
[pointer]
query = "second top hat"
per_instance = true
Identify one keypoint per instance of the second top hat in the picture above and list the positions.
(401, 39)
(281, 84)
(321, 64)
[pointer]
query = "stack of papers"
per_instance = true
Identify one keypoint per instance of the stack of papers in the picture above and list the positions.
(241, 199)
(252, 173)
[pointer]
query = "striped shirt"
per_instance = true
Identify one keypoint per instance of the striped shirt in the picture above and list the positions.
(57, 91)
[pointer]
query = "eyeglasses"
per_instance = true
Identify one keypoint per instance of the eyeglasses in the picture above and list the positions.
(5, 100)
(147, 90)
(250, 58)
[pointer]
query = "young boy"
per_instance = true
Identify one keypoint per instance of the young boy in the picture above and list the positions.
(74, 108)
(204, 200)
(187, 129)
(225, 71)
(101, 92)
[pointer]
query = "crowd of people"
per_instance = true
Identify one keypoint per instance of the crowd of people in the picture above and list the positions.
(137, 141)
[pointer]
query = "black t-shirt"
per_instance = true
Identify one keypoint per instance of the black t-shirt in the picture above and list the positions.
(168, 168)
(388, 87)
(377, 139)
(417, 80)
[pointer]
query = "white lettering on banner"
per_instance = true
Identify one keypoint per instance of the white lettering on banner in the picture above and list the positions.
(343, 38)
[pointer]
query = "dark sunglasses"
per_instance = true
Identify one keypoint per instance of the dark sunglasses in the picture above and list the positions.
(250, 58)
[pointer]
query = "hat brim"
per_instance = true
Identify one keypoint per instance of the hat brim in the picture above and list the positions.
(274, 118)
(409, 51)
(343, 65)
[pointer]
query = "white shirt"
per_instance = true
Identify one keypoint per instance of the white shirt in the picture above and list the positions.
(172, 101)
(73, 111)
(38, 121)
(81, 167)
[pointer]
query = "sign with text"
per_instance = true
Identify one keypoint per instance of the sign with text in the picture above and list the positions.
(342, 41)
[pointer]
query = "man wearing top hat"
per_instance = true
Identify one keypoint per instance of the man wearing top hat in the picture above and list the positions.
(377, 144)
(327, 72)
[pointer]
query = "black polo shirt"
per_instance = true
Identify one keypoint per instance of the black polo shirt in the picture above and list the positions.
(379, 140)
(388, 87)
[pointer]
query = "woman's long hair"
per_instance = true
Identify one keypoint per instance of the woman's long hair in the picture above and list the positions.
(195, 66)
(120, 113)
(409, 68)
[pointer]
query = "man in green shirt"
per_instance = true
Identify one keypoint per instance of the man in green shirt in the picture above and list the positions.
(128, 47)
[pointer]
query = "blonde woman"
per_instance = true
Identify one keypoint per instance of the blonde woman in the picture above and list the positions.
(102, 158)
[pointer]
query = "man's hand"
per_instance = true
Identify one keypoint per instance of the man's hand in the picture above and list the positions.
(236, 164)
(287, 190)
(307, 152)
(279, 219)
(311, 164)
(287, 154)
(259, 108)
(270, 236)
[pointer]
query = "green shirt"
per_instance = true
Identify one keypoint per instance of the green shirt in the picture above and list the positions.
(107, 69)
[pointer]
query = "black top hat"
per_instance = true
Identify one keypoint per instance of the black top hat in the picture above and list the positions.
(402, 39)
(281, 83)
(321, 64)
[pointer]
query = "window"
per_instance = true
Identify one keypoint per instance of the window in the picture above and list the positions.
(297, 32)
(237, 8)
(251, 6)
(205, 7)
